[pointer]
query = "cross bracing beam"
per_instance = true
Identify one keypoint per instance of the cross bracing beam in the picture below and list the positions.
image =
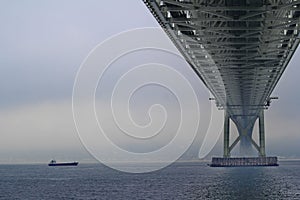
(186, 5)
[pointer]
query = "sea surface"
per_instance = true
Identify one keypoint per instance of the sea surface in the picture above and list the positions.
(183, 180)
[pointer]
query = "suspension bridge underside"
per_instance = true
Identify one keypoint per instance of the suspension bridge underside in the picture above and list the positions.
(239, 49)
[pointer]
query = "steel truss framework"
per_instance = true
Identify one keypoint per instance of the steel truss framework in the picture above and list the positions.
(239, 49)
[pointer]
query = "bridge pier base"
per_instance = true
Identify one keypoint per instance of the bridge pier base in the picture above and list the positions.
(245, 132)
(244, 162)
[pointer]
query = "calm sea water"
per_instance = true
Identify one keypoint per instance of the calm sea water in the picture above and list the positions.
(190, 180)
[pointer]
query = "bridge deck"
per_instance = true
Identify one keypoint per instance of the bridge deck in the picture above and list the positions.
(239, 49)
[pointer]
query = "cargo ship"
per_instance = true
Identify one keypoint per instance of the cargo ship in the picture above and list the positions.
(54, 163)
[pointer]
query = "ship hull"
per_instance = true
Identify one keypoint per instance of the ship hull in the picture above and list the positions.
(63, 164)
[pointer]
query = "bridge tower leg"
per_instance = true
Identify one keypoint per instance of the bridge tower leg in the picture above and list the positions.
(226, 135)
(245, 127)
(245, 135)
(262, 150)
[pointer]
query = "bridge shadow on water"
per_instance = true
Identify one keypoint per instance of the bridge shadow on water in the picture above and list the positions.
(249, 183)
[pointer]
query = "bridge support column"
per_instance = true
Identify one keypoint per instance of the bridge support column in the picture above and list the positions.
(262, 151)
(226, 135)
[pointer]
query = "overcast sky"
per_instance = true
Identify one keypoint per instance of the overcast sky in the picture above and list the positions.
(43, 43)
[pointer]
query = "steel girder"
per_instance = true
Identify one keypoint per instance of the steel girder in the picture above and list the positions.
(239, 48)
